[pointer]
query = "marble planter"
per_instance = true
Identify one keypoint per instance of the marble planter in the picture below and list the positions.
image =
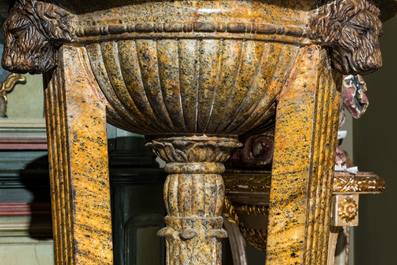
(192, 76)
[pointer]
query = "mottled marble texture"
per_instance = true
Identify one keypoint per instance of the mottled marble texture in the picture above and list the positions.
(291, 13)
(76, 127)
(194, 195)
(171, 70)
(183, 86)
(305, 141)
(247, 203)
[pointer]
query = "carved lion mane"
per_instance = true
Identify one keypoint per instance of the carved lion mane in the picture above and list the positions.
(33, 33)
(351, 28)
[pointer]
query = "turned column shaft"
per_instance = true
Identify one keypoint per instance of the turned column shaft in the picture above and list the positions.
(194, 203)
(194, 195)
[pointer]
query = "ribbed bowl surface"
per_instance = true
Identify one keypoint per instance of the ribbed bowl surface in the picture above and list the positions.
(182, 86)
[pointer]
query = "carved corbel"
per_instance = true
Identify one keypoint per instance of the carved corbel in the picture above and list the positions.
(351, 29)
(33, 33)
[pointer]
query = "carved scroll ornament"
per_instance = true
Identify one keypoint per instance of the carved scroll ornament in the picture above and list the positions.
(33, 33)
(351, 28)
(256, 153)
(7, 86)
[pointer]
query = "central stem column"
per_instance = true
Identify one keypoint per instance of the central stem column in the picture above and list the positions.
(194, 195)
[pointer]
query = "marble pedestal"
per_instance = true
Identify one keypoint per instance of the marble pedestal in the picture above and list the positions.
(193, 76)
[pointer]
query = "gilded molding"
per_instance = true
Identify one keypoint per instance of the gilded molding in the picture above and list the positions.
(361, 183)
(260, 181)
(229, 212)
(243, 181)
(7, 86)
(351, 29)
(344, 210)
(33, 33)
(256, 237)
(252, 209)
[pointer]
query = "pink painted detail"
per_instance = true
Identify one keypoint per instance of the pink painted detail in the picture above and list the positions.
(18, 144)
(38, 208)
(353, 97)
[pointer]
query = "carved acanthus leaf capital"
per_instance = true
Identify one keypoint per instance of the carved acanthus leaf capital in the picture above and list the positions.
(33, 33)
(194, 149)
(193, 228)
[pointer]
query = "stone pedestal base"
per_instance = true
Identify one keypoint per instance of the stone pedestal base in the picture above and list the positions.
(194, 195)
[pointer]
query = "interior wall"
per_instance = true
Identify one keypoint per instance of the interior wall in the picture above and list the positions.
(27, 100)
(375, 149)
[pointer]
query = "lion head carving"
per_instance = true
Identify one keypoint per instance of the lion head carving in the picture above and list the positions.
(33, 33)
(351, 28)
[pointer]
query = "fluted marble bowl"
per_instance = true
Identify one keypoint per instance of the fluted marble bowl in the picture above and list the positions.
(194, 67)
(180, 86)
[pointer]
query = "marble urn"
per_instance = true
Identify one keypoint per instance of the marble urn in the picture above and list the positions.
(192, 76)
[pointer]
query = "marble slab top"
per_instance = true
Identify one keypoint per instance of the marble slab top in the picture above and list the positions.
(388, 7)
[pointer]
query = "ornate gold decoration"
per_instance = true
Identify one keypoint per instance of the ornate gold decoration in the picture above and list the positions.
(363, 182)
(243, 181)
(33, 33)
(347, 209)
(256, 237)
(252, 209)
(229, 212)
(7, 86)
(351, 28)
